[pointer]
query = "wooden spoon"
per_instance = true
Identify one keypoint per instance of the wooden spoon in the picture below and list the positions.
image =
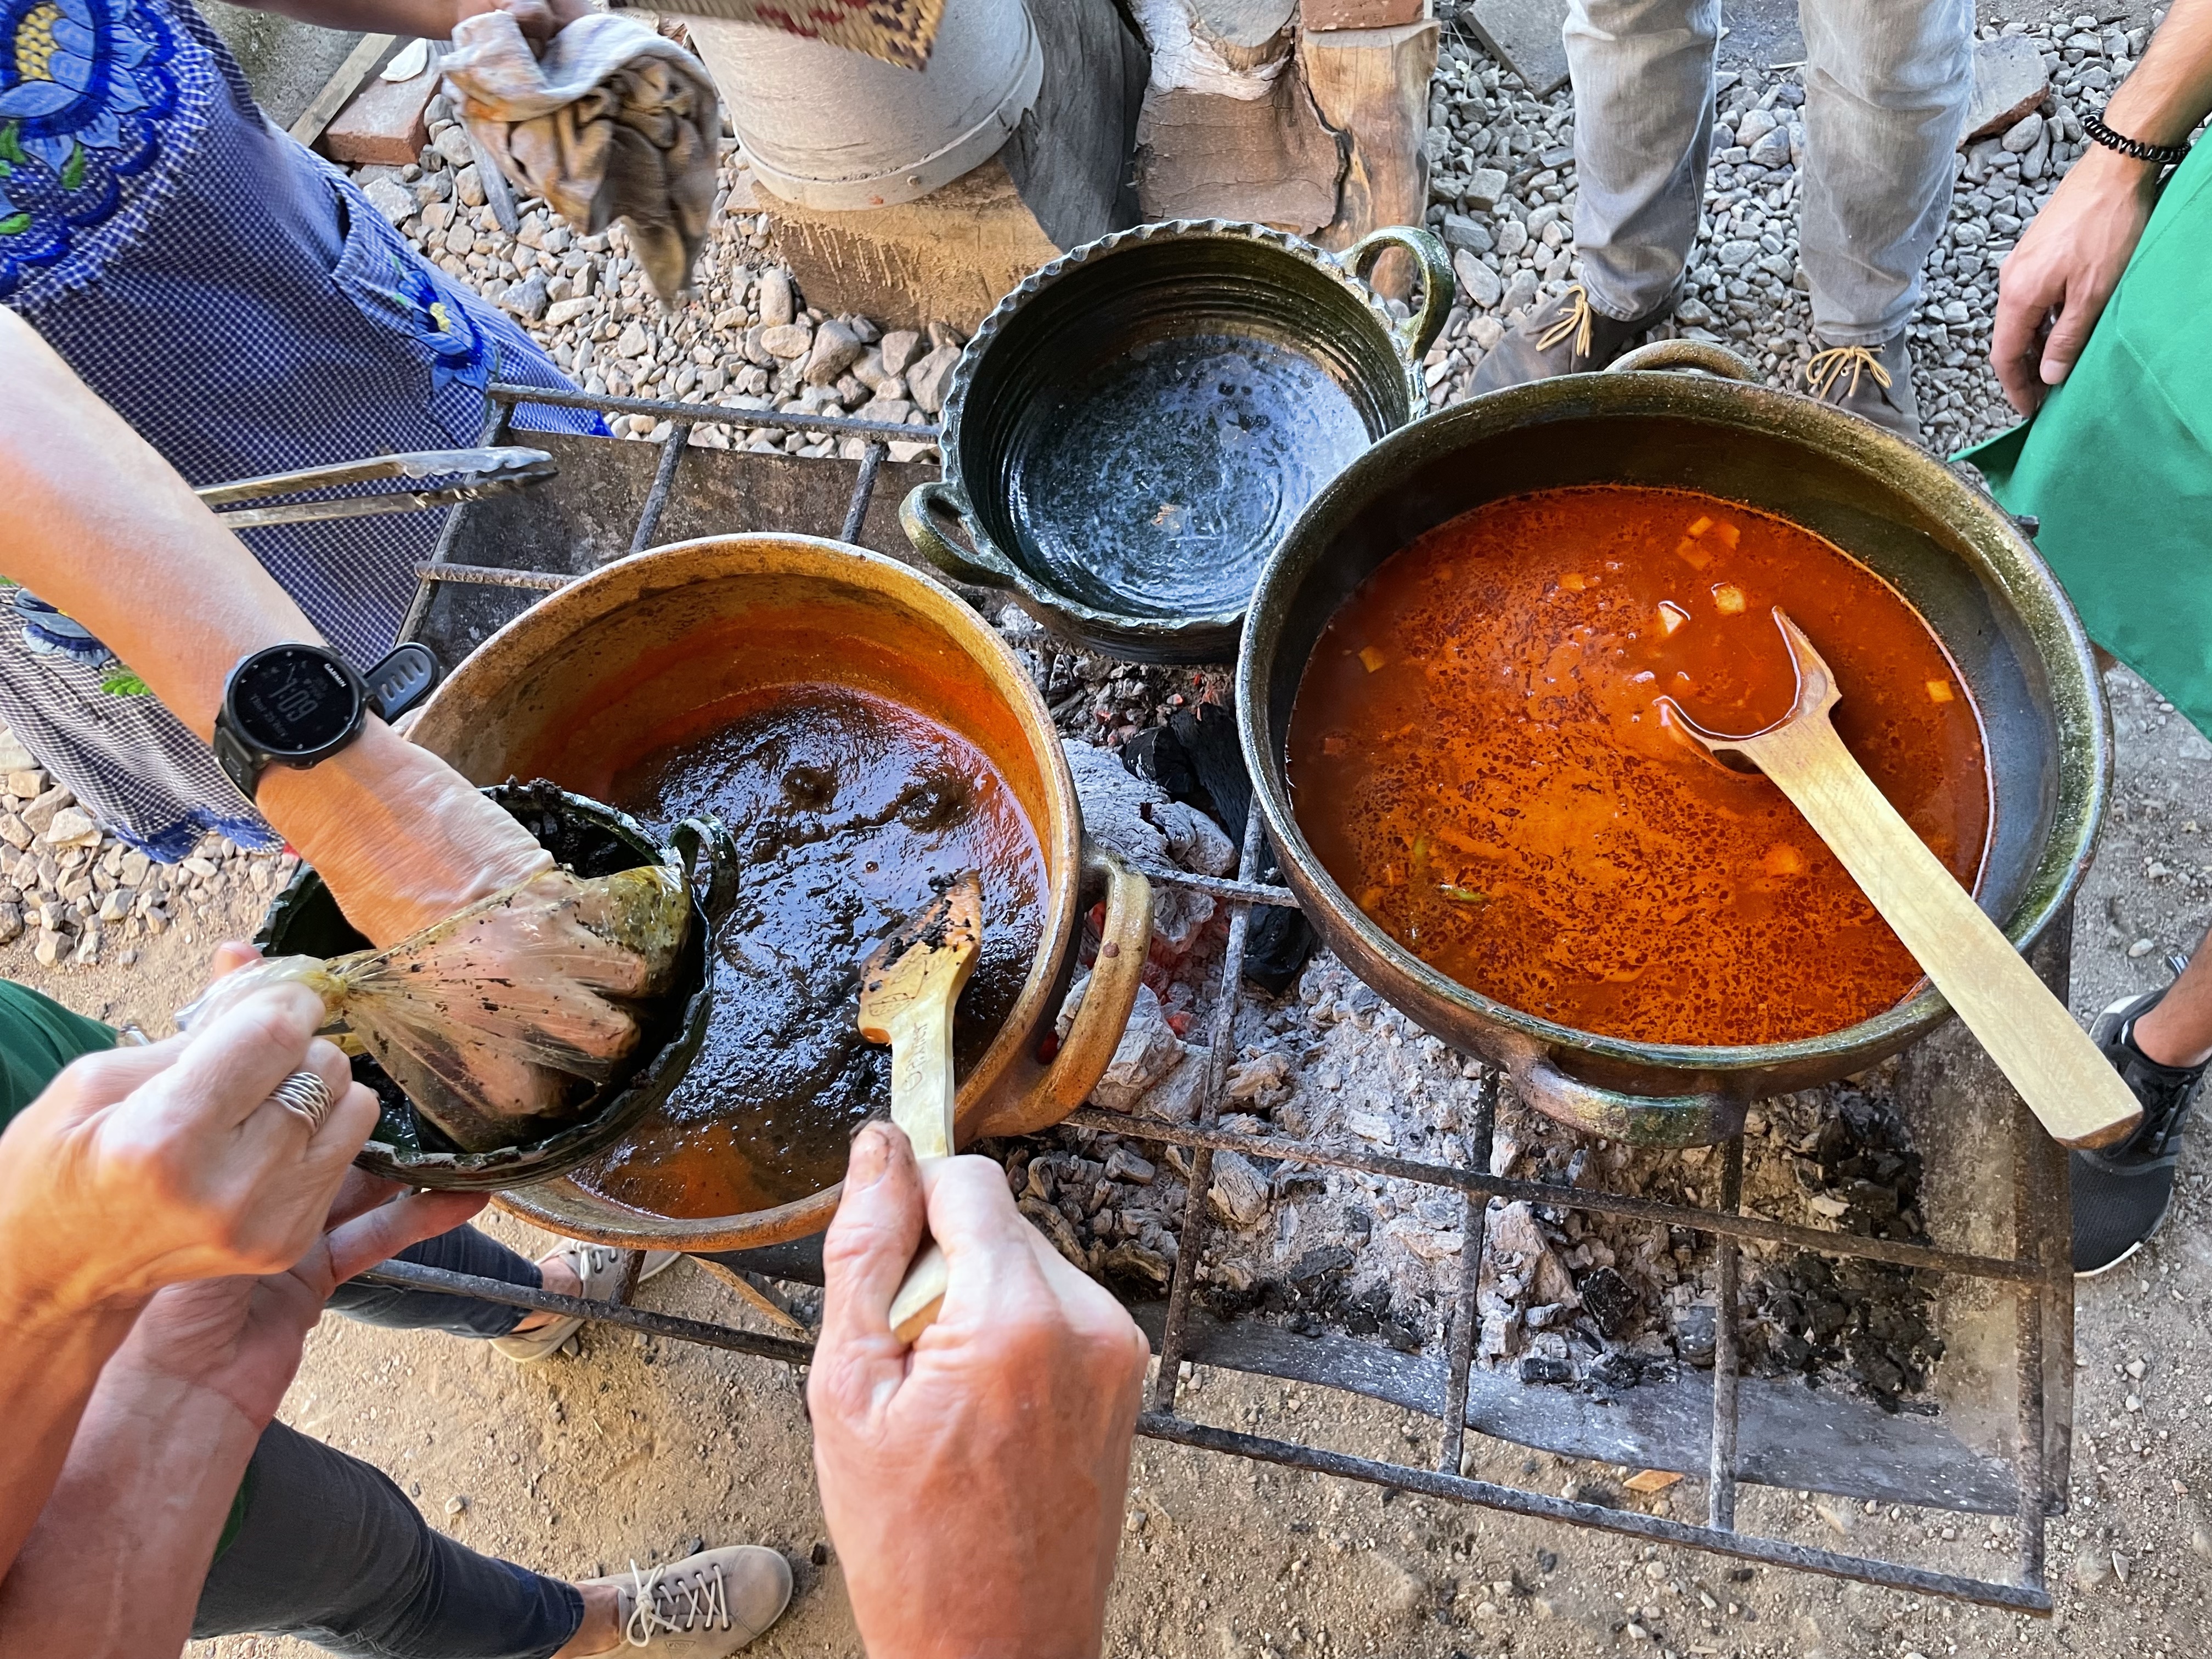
(2048, 1059)
(907, 988)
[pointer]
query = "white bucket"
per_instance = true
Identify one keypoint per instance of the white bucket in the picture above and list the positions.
(836, 130)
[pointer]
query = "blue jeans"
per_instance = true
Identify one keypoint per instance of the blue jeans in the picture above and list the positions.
(329, 1550)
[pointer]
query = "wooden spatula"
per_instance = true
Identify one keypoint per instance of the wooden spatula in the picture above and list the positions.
(907, 988)
(2048, 1059)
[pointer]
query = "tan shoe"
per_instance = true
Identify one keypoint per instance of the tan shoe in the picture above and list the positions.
(706, 1605)
(599, 1271)
(1874, 382)
(1565, 336)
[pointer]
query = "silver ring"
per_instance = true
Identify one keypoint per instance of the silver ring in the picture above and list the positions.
(306, 1094)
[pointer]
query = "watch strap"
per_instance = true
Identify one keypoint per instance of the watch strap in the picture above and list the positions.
(406, 674)
(242, 764)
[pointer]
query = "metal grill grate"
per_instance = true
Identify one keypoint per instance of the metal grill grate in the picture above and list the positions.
(2035, 1277)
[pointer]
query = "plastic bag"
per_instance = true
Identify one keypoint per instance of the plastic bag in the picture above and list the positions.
(500, 1022)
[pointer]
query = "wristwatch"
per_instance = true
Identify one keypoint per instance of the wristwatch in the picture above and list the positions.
(293, 705)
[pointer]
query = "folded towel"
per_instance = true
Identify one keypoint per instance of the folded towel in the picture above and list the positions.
(612, 123)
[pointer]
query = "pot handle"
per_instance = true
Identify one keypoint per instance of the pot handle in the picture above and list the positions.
(1125, 941)
(982, 566)
(707, 835)
(1418, 332)
(1714, 360)
(1697, 1120)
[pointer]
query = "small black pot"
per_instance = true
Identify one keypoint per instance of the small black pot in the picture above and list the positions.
(1134, 428)
(304, 920)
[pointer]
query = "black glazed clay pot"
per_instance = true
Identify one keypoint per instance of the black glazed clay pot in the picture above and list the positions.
(1949, 549)
(592, 839)
(1132, 430)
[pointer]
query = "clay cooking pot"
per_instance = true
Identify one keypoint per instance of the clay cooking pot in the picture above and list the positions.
(581, 686)
(1948, 549)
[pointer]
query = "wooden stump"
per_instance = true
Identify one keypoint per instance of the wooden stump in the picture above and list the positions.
(1229, 129)
(1372, 85)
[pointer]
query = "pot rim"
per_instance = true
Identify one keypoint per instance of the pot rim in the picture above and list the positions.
(2013, 565)
(629, 580)
(1071, 264)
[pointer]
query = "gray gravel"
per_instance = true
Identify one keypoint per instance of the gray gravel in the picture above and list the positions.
(745, 342)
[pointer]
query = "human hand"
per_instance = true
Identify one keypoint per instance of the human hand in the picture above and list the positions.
(401, 838)
(239, 1338)
(2054, 284)
(143, 1167)
(973, 1483)
(538, 20)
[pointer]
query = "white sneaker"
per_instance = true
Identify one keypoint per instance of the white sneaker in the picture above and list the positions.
(598, 1269)
(706, 1605)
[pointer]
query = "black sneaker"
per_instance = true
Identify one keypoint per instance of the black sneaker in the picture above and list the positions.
(2121, 1193)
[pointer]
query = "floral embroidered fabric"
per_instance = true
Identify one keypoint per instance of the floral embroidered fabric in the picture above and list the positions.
(85, 87)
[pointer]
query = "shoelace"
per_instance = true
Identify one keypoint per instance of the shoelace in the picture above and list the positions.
(1573, 319)
(1829, 367)
(704, 1603)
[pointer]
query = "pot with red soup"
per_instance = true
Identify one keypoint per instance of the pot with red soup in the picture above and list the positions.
(1450, 695)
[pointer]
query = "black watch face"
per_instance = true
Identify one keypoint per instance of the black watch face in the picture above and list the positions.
(293, 701)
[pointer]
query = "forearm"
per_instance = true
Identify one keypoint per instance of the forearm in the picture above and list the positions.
(53, 1364)
(2170, 90)
(100, 526)
(432, 20)
(115, 1563)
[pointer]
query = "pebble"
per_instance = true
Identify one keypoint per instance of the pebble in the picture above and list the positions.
(776, 301)
(391, 199)
(1477, 281)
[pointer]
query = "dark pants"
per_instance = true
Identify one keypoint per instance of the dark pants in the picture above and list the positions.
(330, 1551)
(464, 1250)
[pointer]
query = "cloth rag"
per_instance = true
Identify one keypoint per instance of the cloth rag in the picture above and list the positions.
(614, 122)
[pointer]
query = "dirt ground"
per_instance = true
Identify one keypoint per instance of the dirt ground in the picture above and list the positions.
(636, 1449)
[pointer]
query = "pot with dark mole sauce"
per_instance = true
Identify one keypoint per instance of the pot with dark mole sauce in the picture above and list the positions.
(864, 736)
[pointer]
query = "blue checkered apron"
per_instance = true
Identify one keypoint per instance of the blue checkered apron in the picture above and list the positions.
(247, 310)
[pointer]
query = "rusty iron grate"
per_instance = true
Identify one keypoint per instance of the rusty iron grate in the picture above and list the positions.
(2035, 1277)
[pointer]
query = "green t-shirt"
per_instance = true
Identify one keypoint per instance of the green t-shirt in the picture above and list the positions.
(37, 1037)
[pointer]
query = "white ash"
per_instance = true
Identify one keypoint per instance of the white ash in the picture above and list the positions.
(72, 895)
(1503, 195)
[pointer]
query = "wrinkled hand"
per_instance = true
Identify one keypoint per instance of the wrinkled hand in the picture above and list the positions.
(241, 1338)
(2054, 284)
(401, 838)
(974, 1482)
(538, 20)
(143, 1167)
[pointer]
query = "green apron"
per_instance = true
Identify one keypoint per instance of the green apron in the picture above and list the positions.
(2118, 463)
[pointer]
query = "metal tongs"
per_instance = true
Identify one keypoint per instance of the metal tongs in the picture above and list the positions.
(474, 474)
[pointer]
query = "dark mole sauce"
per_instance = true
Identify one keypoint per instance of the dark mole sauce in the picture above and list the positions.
(851, 812)
(1478, 758)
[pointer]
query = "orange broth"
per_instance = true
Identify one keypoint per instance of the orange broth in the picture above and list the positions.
(1477, 756)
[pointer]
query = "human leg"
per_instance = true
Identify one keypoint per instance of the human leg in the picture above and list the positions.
(330, 1550)
(463, 1250)
(1643, 119)
(1643, 72)
(1887, 85)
